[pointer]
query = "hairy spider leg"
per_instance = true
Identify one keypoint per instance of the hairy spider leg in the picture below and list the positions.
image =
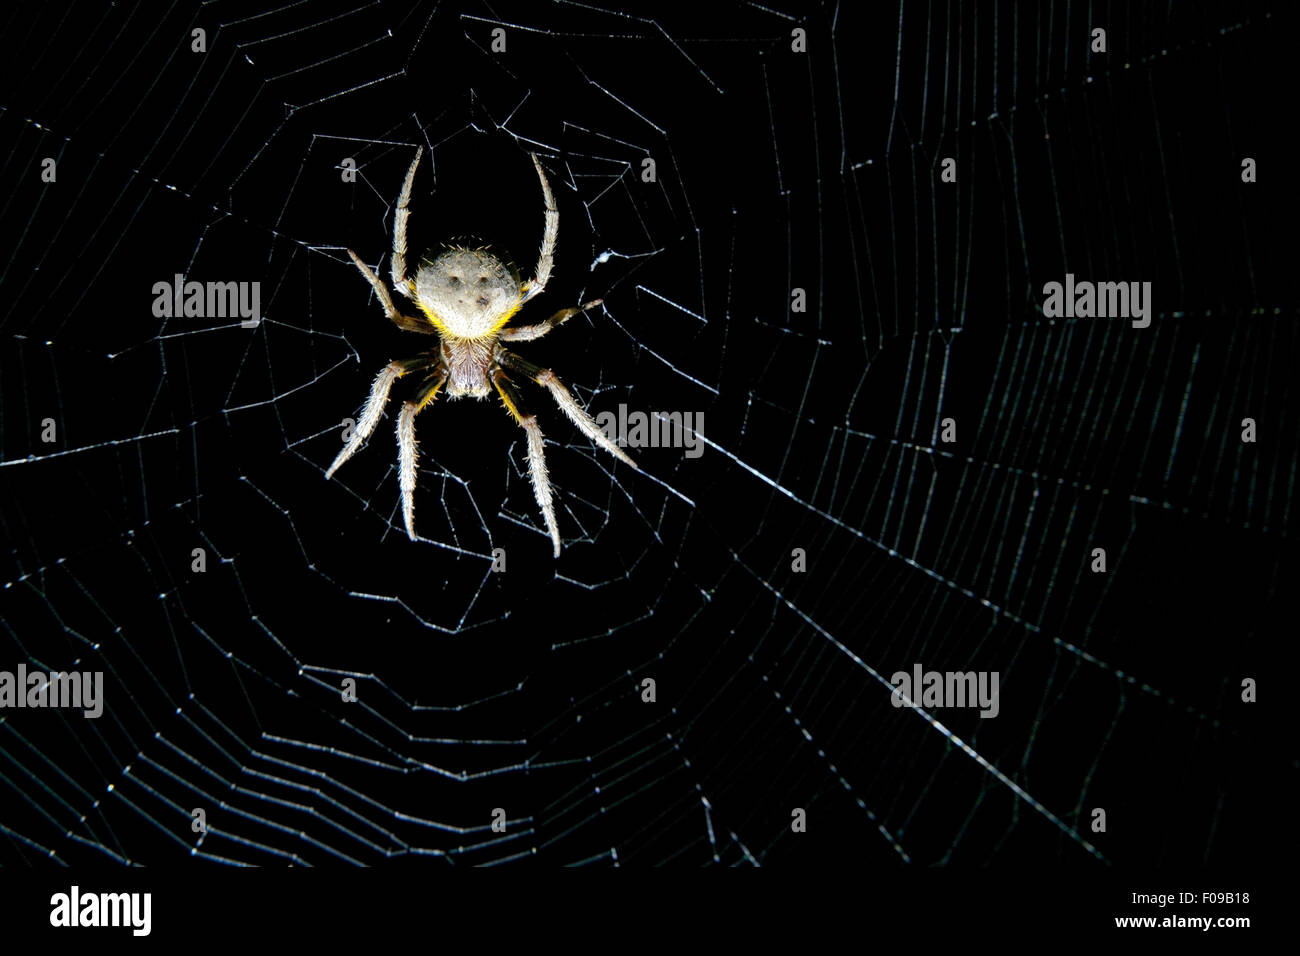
(526, 333)
(374, 408)
(568, 404)
(407, 322)
(552, 229)
(536, 452)
(400, 216)
(407, 451)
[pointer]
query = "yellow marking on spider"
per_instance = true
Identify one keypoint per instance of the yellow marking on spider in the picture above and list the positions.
(505, 400)
(445, 332)
(433, 317)
(431, 396)
(507, 315)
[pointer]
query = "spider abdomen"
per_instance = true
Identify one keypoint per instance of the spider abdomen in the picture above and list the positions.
(467, 293)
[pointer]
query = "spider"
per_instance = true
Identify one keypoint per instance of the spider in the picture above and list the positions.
(467, 297)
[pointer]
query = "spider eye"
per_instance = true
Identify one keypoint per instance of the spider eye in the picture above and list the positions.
(482, 278)
(455, 279)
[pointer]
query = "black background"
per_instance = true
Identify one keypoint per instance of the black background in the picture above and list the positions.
(522, 690)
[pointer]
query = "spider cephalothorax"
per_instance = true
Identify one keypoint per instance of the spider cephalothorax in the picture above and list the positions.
(467, 295)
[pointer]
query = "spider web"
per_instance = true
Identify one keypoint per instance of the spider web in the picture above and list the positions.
(775, 170)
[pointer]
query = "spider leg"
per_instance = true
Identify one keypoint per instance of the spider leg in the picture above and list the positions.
(536, 452)
(405, 322)
(374, 409)
(407, 452)
(552, 229)
(399, 228)
(526, 333)
(568, 404)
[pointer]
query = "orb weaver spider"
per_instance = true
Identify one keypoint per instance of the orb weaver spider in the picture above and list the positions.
(467, 296)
